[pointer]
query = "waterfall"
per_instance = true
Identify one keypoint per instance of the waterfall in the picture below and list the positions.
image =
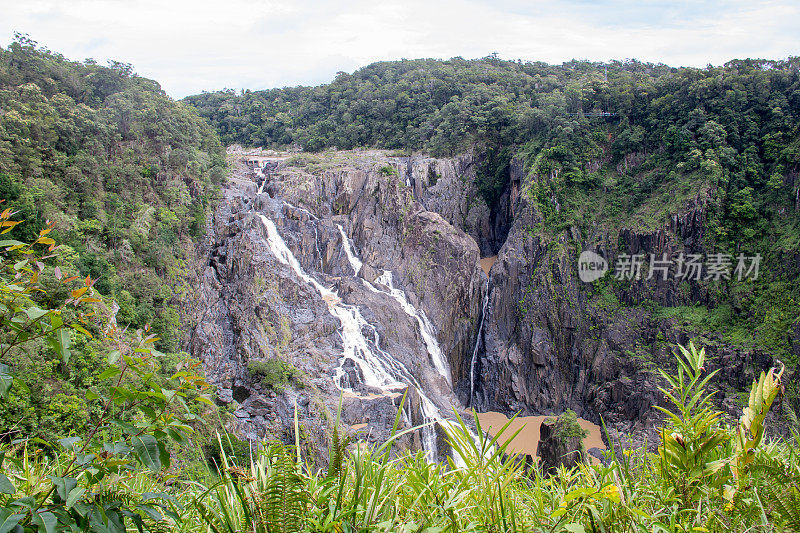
(260, 174)
(425, 327)
(360, 339)
(352, 258)
(430, 412)
(311, 215)
(477, 346)
(378, 368)
(357, 348)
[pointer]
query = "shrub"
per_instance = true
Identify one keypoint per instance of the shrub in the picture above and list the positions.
(567, 426)
(274, 373)
(124, 424)
(387, 171)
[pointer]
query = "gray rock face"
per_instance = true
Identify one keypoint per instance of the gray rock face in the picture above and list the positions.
(252, 306)
(553, 342)
(447, 187)
(549, 342)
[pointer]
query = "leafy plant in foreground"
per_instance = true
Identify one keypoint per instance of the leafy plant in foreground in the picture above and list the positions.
(138, 415)
(690, 443)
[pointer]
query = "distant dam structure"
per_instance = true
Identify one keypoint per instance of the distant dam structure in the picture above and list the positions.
(257, 158)
(260, 161)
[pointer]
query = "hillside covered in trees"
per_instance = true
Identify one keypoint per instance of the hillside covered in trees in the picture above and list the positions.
(124, 171)
(127, 175)
(101, 173)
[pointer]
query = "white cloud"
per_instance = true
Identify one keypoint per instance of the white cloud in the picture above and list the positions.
(200, 45)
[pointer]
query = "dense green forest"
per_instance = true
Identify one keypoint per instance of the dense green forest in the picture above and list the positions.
(127, 176)
(733, 125)
(124, 171)
(611, 145)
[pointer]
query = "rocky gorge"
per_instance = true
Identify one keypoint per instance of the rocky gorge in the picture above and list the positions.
(360, 272)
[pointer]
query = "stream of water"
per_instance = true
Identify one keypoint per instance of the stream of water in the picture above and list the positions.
(378, 369)
(430, 413)
(425, 327)
(352, 258)
(477, 346)
(384, 284)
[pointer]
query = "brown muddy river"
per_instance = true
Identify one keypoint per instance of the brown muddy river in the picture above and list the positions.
(487, 262)
(528, 439)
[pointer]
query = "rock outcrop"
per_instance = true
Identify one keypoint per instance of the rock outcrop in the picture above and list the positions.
(549, 342)
(560, 443)
(553, 342)
(447, 187)
(252, 304)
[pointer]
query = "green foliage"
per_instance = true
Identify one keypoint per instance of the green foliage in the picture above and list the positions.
(567, 427)
(690, 450)
(125, 425)
(387, 171)
(492, 178)
(274, 373)
(750, 430)
(227, 447)
(484, 487)
(781, 493)
(124, 171)
(338, 447)
(269, 497)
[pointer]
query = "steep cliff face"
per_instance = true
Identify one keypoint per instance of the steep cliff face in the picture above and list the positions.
(430, 256)
(340, 273)
(447, 186)
(361, 271)
(553, 342)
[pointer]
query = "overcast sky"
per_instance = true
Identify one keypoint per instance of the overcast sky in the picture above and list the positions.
(191, 46)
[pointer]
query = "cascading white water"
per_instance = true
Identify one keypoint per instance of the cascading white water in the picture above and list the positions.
(352, 258)
(282, 252)
(373, 364)
(378, 368)
(477, 345)
(311, 215)
(425, 327)
(430, 412)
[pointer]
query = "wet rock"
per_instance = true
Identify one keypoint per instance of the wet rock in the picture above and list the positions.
(225, 395)
(597, 453)
(353, 374)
